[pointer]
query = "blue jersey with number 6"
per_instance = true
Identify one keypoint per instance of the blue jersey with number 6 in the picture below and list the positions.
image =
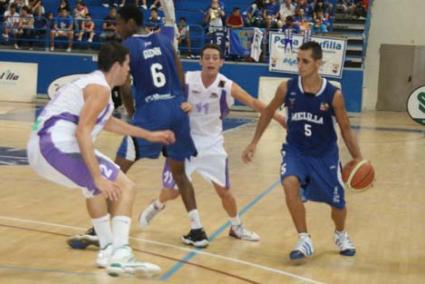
(311, 118)
(153, 67)
(158, 95)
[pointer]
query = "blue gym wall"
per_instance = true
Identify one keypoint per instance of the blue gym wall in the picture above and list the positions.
(54, 65)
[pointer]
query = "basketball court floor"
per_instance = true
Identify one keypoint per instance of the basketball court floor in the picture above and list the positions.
(386, 222)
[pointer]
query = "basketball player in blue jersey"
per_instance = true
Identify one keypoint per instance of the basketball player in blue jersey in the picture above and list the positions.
(158, 80)
(310, 160)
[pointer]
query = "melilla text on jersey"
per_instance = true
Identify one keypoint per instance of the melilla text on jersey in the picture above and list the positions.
(149, 53)
(307, 116)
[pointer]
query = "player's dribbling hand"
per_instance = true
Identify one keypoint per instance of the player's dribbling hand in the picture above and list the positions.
(109, 189)
(165, 137)
(186, 107)
(248, 153)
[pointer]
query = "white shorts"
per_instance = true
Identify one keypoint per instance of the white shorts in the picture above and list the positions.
(67, 167)
(212, 164)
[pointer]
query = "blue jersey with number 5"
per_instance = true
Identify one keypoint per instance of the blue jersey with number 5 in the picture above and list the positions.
(311, 118)
(153, 67)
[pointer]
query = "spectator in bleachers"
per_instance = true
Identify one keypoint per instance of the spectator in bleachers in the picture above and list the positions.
(40, 24)
(214, 17)
(271, 9)
(26, 28)
(87, 28)
(4, 4)
(254, 15)
(184, 35)
(63, 4)
(155, 21)
(80, 13)
(109, 26)
(286, 9)
(319, 26)
(10, 23)
(19, 4)
(63, 27)
(235, 19)
(36, 4)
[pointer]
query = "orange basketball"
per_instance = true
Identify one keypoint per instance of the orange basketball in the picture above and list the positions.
(358, 176)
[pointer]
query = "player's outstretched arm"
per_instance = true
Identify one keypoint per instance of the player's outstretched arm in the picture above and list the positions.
(241, 95)
(344, 124)
(121, 127)
(96, 98)
(263, 122)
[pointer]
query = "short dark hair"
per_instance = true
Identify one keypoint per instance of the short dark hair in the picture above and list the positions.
(212, 46)
(316, 49)
(131, 12)
(110, 53)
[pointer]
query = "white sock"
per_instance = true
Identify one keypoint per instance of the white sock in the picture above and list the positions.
(236, 221)
(120, 230)
(303, 235)
(195, 219)
(102, 226)
(339, 232)
(158, 204)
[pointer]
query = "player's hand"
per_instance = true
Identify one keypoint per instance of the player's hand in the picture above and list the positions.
(248, 153)
(165, 137)
(109, 189)
(186, 107)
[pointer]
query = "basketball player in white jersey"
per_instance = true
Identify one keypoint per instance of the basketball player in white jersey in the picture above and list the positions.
(61, 149)
(210, 94)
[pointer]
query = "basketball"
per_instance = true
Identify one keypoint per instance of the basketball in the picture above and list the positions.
(358, 175)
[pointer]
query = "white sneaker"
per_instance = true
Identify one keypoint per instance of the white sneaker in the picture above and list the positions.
(344, 243)
(147, 215)
(52, 48)
(303, 248)
(123, 262)
(68, 49)
(240, 232)
(103, 256)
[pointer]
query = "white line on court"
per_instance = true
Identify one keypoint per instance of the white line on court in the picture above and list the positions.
(229, 259)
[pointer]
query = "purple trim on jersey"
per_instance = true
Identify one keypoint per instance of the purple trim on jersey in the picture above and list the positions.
(227, 185)
(72, 165)
(167, 177)
(104, 113)
(52, 121)
(224, 108)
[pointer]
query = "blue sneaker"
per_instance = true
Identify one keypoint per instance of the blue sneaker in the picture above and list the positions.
(303, 248)
(85, 240)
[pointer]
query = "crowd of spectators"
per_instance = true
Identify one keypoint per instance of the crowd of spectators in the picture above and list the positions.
(25, 22)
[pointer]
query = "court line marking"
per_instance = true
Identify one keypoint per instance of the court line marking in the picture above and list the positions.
(196, 251)
(47, 270)
(213, 255)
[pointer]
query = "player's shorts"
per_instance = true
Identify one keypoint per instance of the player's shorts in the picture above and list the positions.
(64, 164)
(160, 115)
(320, 177)
(212, 164)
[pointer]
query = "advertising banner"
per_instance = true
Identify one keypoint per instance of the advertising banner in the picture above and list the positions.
(283, 54)
(18, 81)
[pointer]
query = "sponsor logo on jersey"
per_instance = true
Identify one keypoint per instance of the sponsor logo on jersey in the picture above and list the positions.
(324, 106)
(306, 116)
(214, 95)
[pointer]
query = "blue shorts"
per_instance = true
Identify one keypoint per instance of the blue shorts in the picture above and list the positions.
(160, 115)
(320, 177)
